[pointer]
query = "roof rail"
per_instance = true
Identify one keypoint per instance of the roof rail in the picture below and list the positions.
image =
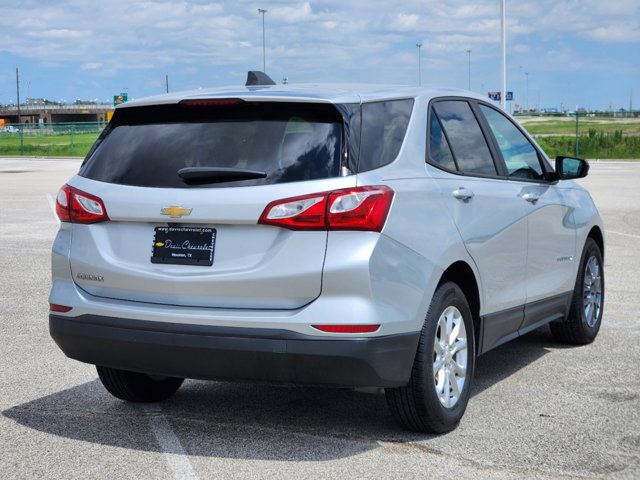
(257, 78)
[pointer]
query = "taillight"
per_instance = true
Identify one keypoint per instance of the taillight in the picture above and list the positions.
(76, 206)
(358, 208)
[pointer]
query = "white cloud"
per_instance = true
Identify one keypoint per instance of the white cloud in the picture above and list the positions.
(61, 34)
(206, 42)
(405, 22)
(623, 32)
(290, 14)
(91, 66)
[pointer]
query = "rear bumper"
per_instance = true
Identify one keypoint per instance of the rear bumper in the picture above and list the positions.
(214, 352)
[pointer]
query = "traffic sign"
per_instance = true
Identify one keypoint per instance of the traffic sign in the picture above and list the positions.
(496, 96)
(122, 98)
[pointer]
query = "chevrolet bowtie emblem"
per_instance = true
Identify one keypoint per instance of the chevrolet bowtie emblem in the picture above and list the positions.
(174, 211)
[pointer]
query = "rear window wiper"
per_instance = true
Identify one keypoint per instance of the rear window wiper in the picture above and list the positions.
(204, 175)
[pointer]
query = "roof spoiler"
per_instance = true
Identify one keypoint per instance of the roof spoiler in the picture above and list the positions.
(257, 78)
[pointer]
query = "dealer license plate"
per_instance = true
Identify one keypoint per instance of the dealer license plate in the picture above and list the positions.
(184, 245)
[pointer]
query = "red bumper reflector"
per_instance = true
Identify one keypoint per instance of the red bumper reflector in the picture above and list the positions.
(54, 307)
(347, 328)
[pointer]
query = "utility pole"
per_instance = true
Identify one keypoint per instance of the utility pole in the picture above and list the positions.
(166, 79)
(264, 51)
(503, 16)
(419, 45)
(469, 53)
(18, 92)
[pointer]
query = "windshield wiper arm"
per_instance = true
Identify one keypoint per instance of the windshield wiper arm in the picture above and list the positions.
(204, 175)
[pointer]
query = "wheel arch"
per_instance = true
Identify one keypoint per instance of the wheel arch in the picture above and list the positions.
(462, 275)
(598, 237)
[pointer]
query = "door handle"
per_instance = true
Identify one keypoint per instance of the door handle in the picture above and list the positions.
(531, 197)
(463, 194)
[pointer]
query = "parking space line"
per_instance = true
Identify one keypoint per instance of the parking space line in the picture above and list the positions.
(624, 234)
(170, 445)
(52, 204)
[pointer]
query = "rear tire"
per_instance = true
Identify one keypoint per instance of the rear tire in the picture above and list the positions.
(585, 316)
(437, 394)
(137, 387)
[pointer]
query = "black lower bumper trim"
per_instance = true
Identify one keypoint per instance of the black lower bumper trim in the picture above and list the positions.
(217, 353)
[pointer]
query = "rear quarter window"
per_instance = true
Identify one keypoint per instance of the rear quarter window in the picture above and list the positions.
(384, 125)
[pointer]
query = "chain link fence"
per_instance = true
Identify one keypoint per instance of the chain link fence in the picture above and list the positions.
(582, 134)
(49, 140)
(591, 135)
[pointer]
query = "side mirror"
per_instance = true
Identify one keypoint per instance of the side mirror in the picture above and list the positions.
(569, 168)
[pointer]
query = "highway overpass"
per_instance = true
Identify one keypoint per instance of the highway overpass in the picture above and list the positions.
(44, 114)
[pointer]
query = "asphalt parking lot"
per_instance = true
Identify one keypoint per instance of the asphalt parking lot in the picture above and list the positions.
(538, 408)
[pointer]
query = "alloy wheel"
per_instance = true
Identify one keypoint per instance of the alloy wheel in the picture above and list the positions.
(450, 357)
(592, 291)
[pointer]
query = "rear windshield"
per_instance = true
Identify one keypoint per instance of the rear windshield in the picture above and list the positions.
(147, 146)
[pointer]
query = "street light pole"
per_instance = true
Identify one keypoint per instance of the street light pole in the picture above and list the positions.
(526, 76)
(503, 37)
(264, 51)
(419, 45)
(469, 53)
(521, 89)
(18, 92)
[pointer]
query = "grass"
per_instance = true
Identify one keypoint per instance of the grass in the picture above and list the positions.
(599, 137)
(597, 145)
(55, 145)
(567, 126)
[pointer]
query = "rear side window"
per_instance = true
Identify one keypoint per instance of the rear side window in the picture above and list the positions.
(384, 125)
(147, 146)
(470, 151)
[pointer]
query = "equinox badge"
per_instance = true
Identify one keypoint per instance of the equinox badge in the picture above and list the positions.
(174, 211)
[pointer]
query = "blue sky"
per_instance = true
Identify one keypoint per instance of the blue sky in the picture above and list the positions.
(568, 52)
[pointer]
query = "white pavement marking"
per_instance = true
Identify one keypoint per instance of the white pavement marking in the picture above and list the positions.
(170, 445)
(623, 234)
(52, 204)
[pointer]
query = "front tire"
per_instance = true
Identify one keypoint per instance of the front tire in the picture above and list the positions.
(137, 387)
(436, 397)
(585, 316)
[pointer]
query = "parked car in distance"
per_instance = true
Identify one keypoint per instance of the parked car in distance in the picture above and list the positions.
(9, 129)
(339, 235)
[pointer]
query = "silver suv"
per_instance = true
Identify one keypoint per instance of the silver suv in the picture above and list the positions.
(329, 235)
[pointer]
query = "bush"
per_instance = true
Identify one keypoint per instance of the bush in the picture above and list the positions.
(595, 144)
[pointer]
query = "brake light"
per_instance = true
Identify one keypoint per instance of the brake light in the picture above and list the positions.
(347, 328)
(358, 208)
(215, 102)
(76, 206)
